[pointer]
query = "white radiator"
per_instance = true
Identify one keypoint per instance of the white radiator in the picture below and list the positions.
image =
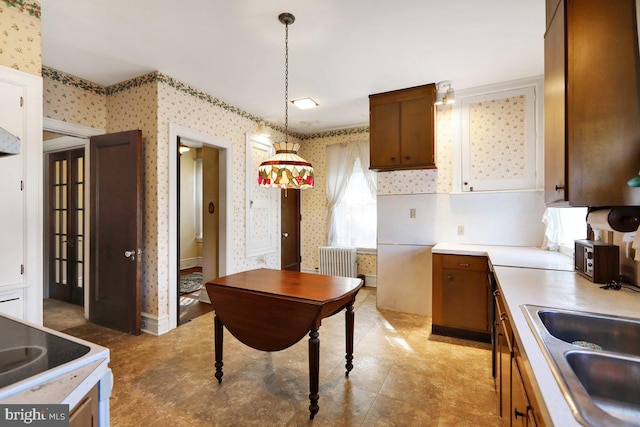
(338, 261)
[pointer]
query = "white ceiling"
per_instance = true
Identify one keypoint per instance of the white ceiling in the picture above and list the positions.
(340, 51)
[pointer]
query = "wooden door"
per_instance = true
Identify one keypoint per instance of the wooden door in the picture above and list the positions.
(66, 226)
(290, 228)
(116, 230)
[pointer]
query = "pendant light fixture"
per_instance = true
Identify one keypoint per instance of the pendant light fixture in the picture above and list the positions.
(286, 169)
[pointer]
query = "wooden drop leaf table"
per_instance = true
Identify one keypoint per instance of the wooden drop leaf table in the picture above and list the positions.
(271, 310)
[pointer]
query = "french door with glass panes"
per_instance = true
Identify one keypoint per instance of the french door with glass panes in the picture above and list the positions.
(66, 226)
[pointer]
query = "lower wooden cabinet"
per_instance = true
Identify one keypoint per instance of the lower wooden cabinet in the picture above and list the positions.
(461, 296)
(85, 413)
(517, 402)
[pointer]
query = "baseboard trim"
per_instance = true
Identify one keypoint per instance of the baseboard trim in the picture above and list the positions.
(155, 325)
(190, 263)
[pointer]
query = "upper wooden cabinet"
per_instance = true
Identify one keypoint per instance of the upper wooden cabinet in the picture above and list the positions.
(402, 129)
(592, 105)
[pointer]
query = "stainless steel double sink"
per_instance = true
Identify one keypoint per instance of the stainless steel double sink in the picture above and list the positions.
(595, 359)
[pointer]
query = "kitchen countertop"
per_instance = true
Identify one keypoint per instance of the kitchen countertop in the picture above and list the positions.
(523, 278)
(510, 256)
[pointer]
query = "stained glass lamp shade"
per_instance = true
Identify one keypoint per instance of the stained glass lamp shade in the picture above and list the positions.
(286, 169)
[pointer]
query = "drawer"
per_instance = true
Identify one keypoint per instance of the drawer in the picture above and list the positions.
(11, 303)
(465, 262)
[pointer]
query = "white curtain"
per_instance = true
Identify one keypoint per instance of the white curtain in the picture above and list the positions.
(340, 161)
(553, 234)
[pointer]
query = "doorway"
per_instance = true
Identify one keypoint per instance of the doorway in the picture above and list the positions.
(290, 229)
(198, 225)
(182, 135)
(64, 144)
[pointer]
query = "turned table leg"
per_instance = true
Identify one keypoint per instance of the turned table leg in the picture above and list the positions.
(314, 371)
(218, 331)
(349, 329)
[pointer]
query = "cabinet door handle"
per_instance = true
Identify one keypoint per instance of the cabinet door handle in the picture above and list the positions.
(407, 157)
(519, 414)
(450, 277)
(465, 264)
(393, 158)
(559, 187)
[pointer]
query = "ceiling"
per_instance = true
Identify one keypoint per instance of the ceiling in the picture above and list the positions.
(340, 51)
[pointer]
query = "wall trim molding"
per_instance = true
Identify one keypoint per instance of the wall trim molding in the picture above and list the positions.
(154, 325)
(31, 8)
(70, 129)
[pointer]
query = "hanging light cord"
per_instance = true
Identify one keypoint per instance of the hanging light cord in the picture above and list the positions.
(286, 84)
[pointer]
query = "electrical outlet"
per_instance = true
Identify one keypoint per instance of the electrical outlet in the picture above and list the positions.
(412, 213)
(461, 230)
(261, 259)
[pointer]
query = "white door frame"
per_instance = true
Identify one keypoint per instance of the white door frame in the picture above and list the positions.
(77, 137)
(226, 209)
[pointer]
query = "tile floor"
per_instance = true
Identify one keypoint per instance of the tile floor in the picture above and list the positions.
(402, 376)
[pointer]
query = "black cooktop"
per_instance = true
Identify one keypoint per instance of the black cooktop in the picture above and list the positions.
(26, 351)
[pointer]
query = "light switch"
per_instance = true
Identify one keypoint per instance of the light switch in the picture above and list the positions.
(412, 213)
(461, 230)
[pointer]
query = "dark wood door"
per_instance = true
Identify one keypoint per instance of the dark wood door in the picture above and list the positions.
(66, 226)
(290, 227)
(116, 230)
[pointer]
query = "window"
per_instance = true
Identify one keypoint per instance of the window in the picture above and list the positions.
(563, 227)
(356, 213)
(351, 196)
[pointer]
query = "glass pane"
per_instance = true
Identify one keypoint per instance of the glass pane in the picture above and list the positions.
(63, 267)
(80, 196)
(64, 189)
(56, 172)
(63, 177)
(80, 223)
(56, 279)
(80, 274)
(63, 222)
(56, 222)
(56, 245)
(63, 247)
(80, 169)
(80, 253)
(56, 202)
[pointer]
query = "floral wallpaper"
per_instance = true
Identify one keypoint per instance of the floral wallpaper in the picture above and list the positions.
(497, 142)
(74, 100)
(20, 37)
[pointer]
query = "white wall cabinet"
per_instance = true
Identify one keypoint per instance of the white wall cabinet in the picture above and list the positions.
(21, 197)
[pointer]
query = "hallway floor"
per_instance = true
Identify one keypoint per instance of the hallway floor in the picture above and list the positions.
(402, 376)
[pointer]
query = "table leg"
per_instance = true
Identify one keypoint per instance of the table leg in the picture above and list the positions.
(314, 371)
(218, 331)
(349, 329)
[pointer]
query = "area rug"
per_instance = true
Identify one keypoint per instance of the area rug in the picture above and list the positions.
(190, 282)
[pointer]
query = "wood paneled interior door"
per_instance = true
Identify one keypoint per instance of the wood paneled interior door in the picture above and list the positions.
(66, 226)
(290, 230)
(116, 230)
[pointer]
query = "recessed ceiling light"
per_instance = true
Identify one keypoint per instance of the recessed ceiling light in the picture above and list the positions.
(304, 103)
